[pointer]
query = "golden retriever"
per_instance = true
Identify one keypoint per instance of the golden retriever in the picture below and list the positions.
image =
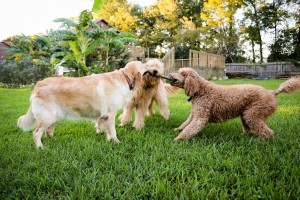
(96, 97)
(152, 89)
(214, 103)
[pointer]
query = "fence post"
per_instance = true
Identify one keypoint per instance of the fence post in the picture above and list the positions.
(190, 58)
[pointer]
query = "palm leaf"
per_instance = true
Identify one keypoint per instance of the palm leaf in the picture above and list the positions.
(93, 46)
(129, 40)
(66, 22)
(117, 44)
(98, 4)
(111, 32)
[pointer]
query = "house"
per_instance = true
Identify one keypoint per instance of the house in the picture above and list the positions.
(104, 24)
(3, 46)
(136, 52)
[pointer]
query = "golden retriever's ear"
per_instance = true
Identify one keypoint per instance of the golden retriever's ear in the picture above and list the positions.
(191, 81)
(137, 79)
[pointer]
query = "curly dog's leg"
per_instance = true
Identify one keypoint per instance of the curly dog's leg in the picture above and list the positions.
(192, 129)
(246, 128)
(162, 103)
(150, 108)
(260, 127)
(257, 124)
(126, 116)
(184, 124)
(139, 117)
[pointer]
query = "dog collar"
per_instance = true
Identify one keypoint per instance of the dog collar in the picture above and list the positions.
(128, 81)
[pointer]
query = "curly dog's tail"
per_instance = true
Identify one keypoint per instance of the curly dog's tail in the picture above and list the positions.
(171, 89)
(27, 122)
(289, 86)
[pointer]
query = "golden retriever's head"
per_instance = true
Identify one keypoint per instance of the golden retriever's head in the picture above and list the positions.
(154, 70)
(134, 70)
(188, 79)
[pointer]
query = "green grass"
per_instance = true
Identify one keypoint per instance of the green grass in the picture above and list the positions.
(218, 163)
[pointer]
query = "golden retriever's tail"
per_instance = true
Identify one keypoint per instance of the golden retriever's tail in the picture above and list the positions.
(289, 86)
(27, 122)
(171, 89)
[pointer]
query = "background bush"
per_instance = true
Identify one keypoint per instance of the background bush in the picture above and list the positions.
(23, 73)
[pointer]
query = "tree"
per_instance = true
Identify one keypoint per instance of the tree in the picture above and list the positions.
(158, 24)
(254, 23)
(80, 43)
(118, 13)
(220, 35)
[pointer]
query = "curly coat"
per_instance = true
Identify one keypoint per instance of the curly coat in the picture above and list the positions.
(214, 103)
(152, 89)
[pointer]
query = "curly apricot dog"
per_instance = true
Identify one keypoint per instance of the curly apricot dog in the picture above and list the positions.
(152, 89)
(214, 103)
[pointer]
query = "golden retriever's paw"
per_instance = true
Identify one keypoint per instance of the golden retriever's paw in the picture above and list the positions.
(116, 140)
(40, 146)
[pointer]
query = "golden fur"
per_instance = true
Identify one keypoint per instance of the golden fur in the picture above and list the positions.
(95, 97)
(214, 103)
(152, 89)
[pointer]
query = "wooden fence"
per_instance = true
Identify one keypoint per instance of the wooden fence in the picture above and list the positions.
(208, 65)
(200, 59)
(267, 70)
(169, 61)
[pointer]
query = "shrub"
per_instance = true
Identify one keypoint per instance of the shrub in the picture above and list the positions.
(23, 73)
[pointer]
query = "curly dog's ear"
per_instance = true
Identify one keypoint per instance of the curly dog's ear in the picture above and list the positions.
(191, 81)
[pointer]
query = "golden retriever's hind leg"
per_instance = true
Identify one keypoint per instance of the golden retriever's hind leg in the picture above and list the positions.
(192, 129)
(125, 117)
(184, 124)
(50, 130)
(37, 134)
(100, 128)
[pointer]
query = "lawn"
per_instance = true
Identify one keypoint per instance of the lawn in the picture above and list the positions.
(218, 163)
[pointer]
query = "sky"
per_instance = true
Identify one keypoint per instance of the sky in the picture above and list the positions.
(31, 17)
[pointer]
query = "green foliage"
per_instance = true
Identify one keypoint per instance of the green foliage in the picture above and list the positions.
(218, 163)
(97, 6)
(84, 42)
(23, 72)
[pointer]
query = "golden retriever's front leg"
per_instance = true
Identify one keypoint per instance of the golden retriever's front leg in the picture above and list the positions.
(195, 126)
(184, 124)
(108, 123)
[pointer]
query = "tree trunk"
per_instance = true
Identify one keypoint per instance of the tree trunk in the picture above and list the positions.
(253, 51)
(256, 17)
